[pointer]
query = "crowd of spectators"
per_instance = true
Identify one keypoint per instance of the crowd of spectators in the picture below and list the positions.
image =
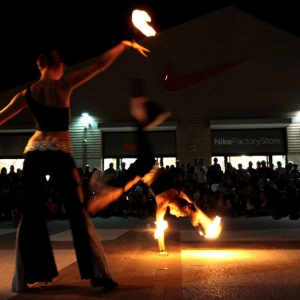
(259, 190)
(10, 193)
(252, 191)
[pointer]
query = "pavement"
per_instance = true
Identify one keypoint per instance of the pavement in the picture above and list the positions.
(254, 258)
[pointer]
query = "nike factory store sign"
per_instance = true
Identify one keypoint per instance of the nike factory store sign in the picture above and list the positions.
(248, 142)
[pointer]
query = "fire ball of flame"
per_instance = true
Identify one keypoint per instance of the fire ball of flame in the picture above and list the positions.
(140, 20)
(160, 227)
(214, 229)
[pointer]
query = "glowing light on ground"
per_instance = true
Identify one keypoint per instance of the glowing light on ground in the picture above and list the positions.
(140, 20)
(216, 254)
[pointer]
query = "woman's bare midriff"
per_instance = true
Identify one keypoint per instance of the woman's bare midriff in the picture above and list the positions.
(43, 136)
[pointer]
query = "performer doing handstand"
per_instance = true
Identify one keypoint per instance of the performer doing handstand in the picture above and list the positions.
(148, 115)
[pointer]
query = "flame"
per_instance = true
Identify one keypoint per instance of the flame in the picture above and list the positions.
(140, 20)
(160, 228)
(213, 229)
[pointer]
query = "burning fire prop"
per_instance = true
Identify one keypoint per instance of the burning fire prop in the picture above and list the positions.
(209, 229)
(213, 229)
(140, 20)
(160, 228)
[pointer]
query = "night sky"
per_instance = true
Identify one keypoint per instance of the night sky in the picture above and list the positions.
(82, 30)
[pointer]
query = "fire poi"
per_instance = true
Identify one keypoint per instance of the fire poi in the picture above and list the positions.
(167, 194)
(140, 20)
(183, 207)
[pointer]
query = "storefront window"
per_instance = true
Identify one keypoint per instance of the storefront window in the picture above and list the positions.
(245, 159)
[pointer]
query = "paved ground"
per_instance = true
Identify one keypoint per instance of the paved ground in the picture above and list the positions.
(254, 258)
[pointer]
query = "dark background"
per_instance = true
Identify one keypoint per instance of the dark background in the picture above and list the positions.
(82, 30)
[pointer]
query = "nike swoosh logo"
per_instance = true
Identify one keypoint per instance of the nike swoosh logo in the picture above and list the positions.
(129, 147)
(173, 83)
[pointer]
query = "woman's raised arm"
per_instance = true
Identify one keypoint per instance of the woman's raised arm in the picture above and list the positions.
(13, 107)
(76, 78)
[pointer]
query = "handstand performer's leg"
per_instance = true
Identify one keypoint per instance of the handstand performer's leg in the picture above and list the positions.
(147, 114)
(114, 190)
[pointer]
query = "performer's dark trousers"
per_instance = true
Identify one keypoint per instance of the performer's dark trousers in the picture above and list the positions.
(34, 256)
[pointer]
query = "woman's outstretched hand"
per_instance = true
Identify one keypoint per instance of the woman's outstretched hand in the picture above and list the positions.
(135, 46)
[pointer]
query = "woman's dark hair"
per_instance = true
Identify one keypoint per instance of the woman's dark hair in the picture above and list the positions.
(50, 58)
(181, 203)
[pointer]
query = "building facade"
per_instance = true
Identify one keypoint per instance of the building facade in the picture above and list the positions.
(230, 80)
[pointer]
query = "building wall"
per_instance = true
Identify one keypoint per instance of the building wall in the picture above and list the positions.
(293, 134)
(265, 84)
(86, 144)
(193, 141)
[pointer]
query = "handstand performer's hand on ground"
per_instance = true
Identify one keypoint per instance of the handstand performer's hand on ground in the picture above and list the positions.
(163, 253)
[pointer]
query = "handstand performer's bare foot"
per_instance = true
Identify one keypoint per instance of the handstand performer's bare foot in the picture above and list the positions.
(138, 110)
(147, 113)
(164, 115)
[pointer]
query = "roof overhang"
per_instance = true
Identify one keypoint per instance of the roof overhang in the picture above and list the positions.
(130, 126)
(13, 130)
(250, 123)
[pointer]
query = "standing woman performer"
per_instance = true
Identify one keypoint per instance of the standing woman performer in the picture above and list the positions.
(48, 152)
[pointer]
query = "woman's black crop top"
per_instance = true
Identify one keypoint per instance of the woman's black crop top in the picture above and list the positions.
(48, 118)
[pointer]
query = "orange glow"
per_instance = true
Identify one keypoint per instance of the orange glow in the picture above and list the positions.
(217, 255)
(140, 20)
(160, 228)
(214, 229)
